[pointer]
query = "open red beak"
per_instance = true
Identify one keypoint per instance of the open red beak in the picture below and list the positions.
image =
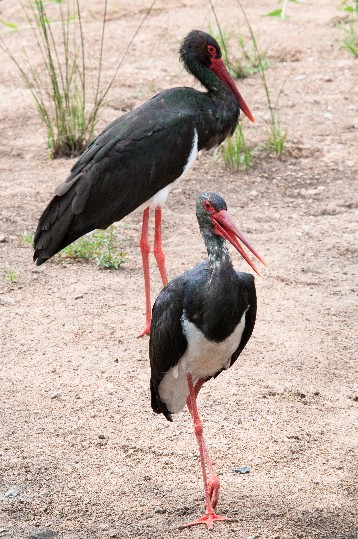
(225, 227)
(218, 66)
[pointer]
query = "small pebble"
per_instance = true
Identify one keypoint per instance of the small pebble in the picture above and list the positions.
(11, 493)
(3, 239)
(160, 511)
(7, 300)
(102, 437)
(42, 534)
(242, 469)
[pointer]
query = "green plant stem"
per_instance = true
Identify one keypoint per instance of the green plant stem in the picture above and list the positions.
(125, 53)
(223, 41)
(61, 103)
(261, 72)
(283, 9)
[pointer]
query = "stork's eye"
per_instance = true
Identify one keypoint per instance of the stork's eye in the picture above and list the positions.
(208, 206)
(212, 50)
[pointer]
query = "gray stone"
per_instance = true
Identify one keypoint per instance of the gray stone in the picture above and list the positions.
(43, 534)
(242, 469)
(7, 300)
(12, 493)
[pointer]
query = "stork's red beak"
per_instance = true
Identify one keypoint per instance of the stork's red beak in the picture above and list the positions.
(225, 227)
(218, 66)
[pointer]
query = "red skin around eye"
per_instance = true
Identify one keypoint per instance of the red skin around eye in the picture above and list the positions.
(208, 207)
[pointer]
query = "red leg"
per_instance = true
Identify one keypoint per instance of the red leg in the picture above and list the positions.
(145, 248)
(209, 516)
(158, 249)
(213, 479)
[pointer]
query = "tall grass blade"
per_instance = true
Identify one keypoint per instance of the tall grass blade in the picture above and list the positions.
(59, 87)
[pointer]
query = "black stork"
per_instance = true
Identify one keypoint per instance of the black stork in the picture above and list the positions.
(141, 156)
(201, 322)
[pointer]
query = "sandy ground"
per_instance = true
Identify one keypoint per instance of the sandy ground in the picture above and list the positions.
(82, 454)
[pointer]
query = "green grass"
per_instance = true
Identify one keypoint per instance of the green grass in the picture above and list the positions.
(27, 238)
(60, 85)
(247, 62)
(10, 275)
(281, 11)
(235, 152)
(100, 246)
(351, 6)
(350, 40)
(276, 138)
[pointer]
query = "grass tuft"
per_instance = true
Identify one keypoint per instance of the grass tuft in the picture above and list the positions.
(281, 12)
(276, 139)
(27, 238)
(59, 86)
(235, 152)
(10, 275)
(351, 6)
(99, 246)
(350, 41)
(247, 62)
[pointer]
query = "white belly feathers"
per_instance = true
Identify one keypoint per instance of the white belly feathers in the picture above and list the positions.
(202, 358)
(160, 198)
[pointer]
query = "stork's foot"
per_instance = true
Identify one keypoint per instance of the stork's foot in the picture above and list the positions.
(213, 488)
(208, 518)
(146, 331)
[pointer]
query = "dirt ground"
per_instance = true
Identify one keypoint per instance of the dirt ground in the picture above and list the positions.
(82, 454)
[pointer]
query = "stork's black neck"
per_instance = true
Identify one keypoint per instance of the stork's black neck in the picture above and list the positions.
(218, 253)
(206, 77)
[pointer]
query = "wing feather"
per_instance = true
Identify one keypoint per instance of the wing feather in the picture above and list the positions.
(128, 163)
(167, 342)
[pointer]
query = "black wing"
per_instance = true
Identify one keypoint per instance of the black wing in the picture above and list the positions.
(131, 160)
(248, 282)
(167, 342)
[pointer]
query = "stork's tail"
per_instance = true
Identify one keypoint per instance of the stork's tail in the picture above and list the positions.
(158, 406)
(54, 230)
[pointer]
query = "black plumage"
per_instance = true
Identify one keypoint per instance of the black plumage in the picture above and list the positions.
(215, 316)
(140, 153)
(201, 322)
(212, 295)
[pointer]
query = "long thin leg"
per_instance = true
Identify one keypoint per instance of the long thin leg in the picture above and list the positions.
(213, 479)
(158, 249)
(145, 248)
(209, 516)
